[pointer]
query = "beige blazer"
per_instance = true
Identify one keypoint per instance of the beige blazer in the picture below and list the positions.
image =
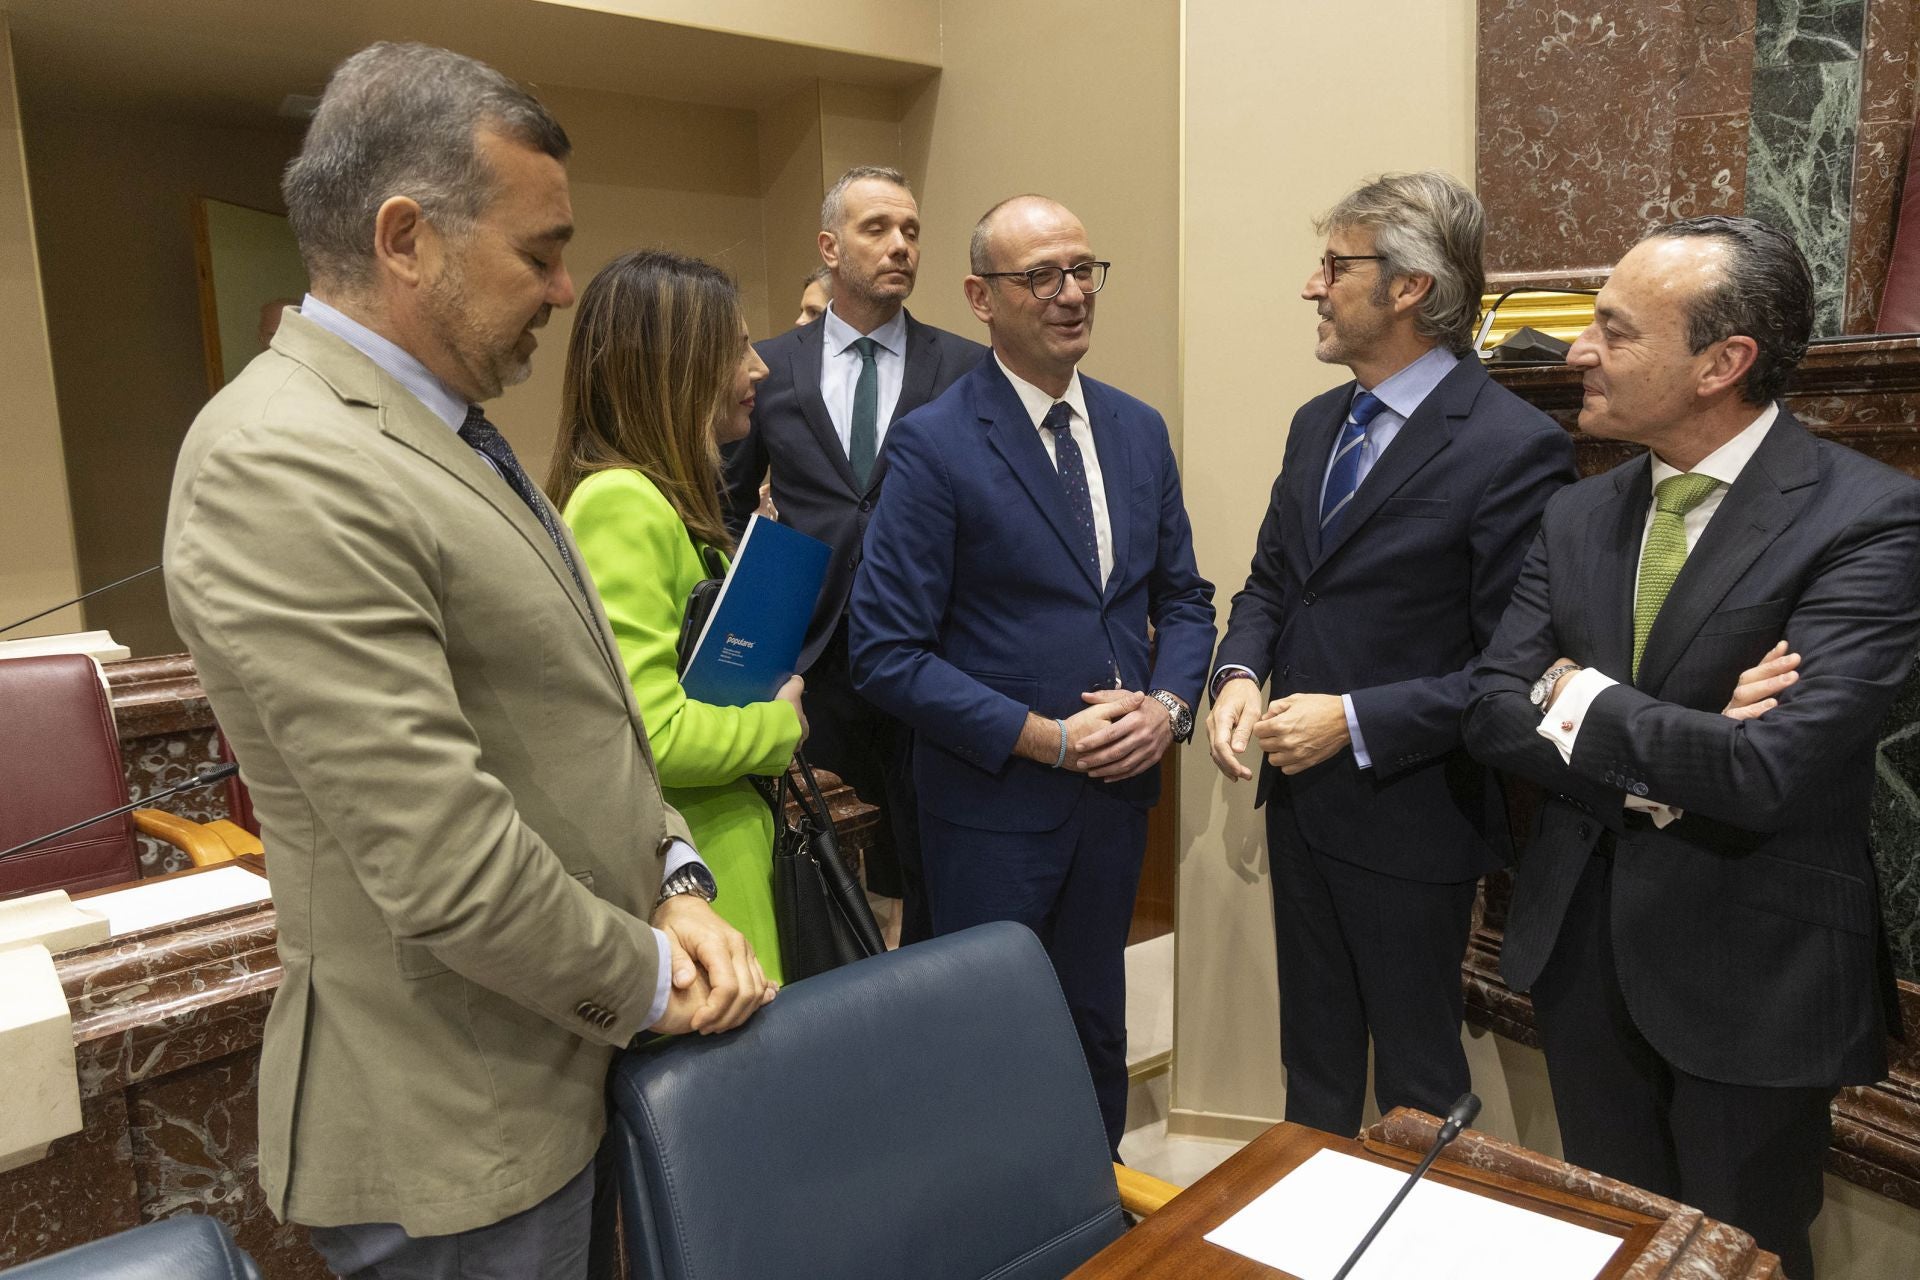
(462, 823)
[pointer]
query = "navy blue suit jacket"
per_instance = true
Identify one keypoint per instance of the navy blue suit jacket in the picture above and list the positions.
(1746, 934)
(1393, 610)
(973, 605)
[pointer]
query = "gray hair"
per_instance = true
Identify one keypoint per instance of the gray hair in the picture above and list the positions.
(833, 209)
(402, 120)
(1763, 291)
(1426, 224)
(821, 276)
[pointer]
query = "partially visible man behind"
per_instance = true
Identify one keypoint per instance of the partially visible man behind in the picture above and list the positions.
(822, 421)
(1696, 915)
(465, 834)
(1032, 535)
(1405, 502)
(814, 296)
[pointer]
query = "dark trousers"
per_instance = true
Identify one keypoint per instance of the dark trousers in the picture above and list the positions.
(1365, 956)
(1745, 1154)
(872, 753)
(1074, 887)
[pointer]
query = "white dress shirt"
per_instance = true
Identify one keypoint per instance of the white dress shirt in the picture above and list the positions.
(451, 408)
(1561, 723)
(840, 372)
(1036, 402)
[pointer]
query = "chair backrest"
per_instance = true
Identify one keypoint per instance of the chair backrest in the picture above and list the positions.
(59, 762)
(926, 1112)
(189, 1247)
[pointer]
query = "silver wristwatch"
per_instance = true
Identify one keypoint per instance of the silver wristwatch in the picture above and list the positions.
(1543, 687)
(1182, 716)
(693, 878)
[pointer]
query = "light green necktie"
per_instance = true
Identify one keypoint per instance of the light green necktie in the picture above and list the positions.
(865, 433)
(1665, 552)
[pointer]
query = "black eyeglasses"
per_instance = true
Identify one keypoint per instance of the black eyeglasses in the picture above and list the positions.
(1330, 263)
(1047, 282)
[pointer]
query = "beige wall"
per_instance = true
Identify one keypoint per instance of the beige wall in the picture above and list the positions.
(908, 30)
(1007, 115)
(1275, 131)
(644, 173)
(38, 564)
(111, 196)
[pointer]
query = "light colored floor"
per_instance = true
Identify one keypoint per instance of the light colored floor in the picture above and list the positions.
(1146, 1146)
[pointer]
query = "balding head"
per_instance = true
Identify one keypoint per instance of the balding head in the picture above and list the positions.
(1030, 212)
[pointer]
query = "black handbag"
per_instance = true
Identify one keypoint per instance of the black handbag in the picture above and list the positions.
(820, 910)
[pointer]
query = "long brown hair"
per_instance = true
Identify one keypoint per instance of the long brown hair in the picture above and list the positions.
(655, 345)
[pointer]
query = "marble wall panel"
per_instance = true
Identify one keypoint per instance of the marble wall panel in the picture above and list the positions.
(157, 762)
(1800, 148)
(1889, 95)
(1896, 829)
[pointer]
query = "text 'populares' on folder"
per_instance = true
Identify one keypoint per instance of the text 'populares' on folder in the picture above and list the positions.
(751, 642)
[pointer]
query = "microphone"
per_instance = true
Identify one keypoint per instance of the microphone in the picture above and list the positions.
(205, 776)
(1464, 1110)
(85, 595)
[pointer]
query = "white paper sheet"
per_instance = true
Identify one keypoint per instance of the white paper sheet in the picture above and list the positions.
(1309, 1221)
(143, 906)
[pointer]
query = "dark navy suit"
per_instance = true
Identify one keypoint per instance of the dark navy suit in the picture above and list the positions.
(1373, 870)
(1702, 989)
(974, 605)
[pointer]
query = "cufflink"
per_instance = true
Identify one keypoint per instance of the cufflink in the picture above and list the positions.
(1566, 726)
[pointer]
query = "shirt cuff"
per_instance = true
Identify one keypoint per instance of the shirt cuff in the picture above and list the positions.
(679, 854)
(1219, 681)
(1561, 724)
(1360, 756)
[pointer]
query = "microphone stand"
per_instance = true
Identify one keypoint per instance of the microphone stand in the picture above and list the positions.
(205, 776)
(1462, 1115)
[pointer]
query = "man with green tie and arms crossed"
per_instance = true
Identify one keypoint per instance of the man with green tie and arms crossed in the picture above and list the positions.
(464, 830)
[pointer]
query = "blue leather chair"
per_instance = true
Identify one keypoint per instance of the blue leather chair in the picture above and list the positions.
(926, 1112)
(189, 1247)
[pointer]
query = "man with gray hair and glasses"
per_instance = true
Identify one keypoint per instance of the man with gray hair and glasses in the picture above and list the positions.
(821, 422)
(480, 892)
(1405, 502)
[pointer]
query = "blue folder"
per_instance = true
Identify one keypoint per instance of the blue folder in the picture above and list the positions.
(752, 639)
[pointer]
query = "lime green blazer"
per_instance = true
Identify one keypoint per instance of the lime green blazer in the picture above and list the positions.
(644, 564)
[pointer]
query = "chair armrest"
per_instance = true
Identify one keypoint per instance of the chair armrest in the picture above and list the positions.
(204, 843)
(1142, 1193)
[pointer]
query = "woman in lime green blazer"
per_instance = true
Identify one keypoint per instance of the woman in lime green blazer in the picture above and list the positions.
(659, 375)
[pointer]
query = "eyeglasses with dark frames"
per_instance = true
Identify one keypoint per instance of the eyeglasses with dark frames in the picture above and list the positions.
(1045, 283)
(1330, 263)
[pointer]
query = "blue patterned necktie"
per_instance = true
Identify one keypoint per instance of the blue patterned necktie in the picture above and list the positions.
(485, 439)
(1073, 475)
(1343, 477)
(864, 432)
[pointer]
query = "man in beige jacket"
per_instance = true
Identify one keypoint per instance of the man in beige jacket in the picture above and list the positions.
(464, 830)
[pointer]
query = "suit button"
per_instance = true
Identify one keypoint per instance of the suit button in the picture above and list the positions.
(1287, 670)
(1583, 831)
(866, 504)
(1307, 597)
(584, 1010)
(1640, 789)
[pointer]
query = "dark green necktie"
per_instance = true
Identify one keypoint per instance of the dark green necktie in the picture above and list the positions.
(866, 414)
(1666, 551)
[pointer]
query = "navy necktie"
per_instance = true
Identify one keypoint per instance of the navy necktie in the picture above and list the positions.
(1073, 475)
(485, 439)
(1343, 477)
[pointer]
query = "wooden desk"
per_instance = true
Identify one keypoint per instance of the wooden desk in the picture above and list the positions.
(1660, 1237)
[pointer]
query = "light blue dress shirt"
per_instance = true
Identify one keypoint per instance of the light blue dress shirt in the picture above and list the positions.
(840, 372)
(451, 408)
(1399, 395)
